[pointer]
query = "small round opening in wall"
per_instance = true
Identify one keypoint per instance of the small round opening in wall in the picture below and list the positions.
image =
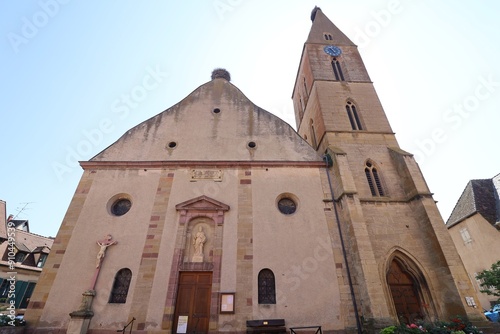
(287, 206)
(216, 111)
(172, 144)
(121, 206)
(252, 144)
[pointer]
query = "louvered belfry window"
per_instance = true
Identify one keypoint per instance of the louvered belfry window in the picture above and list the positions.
(373, 178)
(337, 70)
(352, 113)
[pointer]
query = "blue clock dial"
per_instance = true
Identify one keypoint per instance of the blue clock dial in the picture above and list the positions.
(332, 50)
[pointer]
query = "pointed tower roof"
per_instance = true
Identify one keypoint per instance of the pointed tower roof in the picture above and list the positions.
(321, 25)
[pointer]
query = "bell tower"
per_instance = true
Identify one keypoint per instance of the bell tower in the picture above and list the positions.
(333, 95)
(386, 213)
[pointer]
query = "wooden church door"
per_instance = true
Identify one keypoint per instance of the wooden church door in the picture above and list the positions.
(192, 308)
(405, 295)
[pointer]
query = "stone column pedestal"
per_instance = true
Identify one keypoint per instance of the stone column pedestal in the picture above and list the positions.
(80, 319)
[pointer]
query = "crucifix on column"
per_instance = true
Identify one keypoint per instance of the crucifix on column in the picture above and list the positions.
(103, 244)
(85, 309)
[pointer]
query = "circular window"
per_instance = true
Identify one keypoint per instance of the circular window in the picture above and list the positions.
(287, 206)
(121, 206)
(172, 144)
(252, 144)
(216, 111)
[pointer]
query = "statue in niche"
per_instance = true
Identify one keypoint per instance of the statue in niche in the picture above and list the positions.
(199, 240)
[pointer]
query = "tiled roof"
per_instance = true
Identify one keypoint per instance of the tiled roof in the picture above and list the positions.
(479, 196)
(31, 241)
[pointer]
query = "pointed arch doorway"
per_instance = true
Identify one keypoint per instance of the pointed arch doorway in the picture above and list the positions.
(406, 291)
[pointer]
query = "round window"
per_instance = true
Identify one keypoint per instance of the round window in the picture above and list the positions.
(121, 206)
(287, 206)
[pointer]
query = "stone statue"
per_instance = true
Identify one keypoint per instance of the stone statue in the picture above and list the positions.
(198, 242)
(104, 244)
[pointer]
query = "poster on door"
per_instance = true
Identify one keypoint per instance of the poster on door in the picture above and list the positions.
(182, 324)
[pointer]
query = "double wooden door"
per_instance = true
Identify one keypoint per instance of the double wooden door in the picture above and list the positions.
(405, 294)
(192, 307)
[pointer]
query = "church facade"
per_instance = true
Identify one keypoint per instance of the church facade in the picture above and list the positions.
(216, 212)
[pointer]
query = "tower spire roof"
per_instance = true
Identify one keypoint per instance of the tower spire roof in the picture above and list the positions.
(322, 25)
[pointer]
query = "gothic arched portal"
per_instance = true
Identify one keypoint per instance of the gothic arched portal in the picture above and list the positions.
(406, 290)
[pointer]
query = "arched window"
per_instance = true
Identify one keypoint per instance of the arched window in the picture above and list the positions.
(306, 95)
(267, 289)
(314, 141)
(373, 180)
(337, 70)
(120, 286)
(352, 112)
(298, 106)
(327, 36)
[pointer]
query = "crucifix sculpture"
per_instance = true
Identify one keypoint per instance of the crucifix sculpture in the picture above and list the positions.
(104, 244)
(85, 309)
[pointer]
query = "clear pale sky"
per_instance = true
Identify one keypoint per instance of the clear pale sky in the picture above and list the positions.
(76, 75)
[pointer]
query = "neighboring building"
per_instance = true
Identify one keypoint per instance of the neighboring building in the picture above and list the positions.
(23, 255)
(474, 225)
(215, 212)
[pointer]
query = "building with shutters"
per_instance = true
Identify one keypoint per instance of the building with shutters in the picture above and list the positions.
(474, 226)
(23, 255)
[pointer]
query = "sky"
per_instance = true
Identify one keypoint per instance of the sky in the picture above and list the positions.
(76, 75)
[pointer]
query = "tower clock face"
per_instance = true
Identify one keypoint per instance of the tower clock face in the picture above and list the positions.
(332, 50)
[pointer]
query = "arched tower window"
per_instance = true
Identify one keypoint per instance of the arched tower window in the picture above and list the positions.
(121, 284)
(314, 142)
(327, 36)
(373, 178)
(266, 286)
(352, 113)
(305, 90)
(337, 70)
(298, 106)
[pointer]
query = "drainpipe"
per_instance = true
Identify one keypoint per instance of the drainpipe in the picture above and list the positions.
(328, 164)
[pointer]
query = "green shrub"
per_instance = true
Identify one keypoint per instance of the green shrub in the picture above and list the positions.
(456, 325)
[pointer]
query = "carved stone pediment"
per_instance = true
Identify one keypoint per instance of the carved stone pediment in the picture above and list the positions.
(202, 203)
(202, 206)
